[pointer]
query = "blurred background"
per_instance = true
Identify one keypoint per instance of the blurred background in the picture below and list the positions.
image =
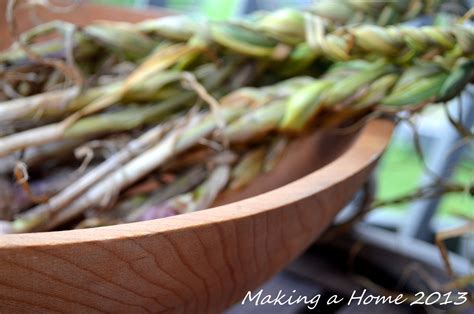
(213, 9)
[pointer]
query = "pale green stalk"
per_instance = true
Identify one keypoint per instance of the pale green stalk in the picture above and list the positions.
(39, 214)
(249, 167)
(174, 143)
(123, 120)
(181, 185)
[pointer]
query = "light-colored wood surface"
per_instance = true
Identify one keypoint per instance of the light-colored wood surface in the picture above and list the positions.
(199, 262)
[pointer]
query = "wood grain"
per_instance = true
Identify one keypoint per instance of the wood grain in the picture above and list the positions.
(200, 262)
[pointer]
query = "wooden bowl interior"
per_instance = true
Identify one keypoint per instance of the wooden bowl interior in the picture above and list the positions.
(302, 156)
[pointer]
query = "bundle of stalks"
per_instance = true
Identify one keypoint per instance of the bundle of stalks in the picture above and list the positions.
(384, 12)
(278, 35)
(177, 111)
(158, 51)
(133, 42)
(154, 80)
(273, 35)
(246, 119)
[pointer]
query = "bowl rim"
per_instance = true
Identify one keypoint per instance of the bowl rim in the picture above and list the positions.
(363, 152)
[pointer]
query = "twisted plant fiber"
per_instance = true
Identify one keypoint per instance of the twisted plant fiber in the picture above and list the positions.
(293, 38)
(290, 33)
(397, 44)
(383, 12)
(264, 37)
(353, 85)
(262, 32)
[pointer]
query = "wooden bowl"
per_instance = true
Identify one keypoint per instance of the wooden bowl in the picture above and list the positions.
(199, 262)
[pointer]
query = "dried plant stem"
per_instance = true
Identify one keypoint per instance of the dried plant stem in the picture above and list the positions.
(132, 171)
(126, 119)
(70, 70)
(183, 184)
(201, 91)
(33, 137)
(427, 192)
(37, 106)
(249, 167)
(22, 177)
(33, 156)
(40, 213)
(77, 126)
(207, 192)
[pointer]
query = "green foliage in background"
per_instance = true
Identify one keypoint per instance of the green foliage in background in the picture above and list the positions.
(213, 9)
(400, 172)
(218, 10)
